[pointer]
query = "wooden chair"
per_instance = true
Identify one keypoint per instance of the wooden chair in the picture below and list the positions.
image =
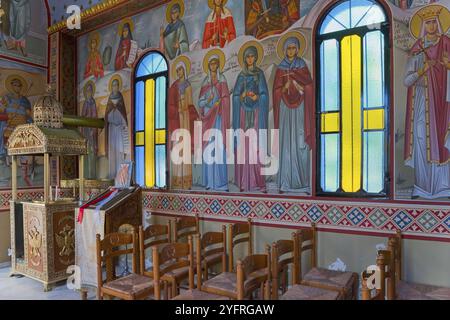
(132, 287)
(384, 259)
(153, 235)
(213, 250)
(402, 290)
(239, 233)
(286, 253)
(345, 282)
(251, 274)
(185, 227)
(172, 264)
(195, 293)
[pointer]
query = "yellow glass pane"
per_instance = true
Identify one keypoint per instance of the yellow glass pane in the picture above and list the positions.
(150, 133)
(330, 122)
(160, 137)
(140, 139)
(374, 119)
(351, 113)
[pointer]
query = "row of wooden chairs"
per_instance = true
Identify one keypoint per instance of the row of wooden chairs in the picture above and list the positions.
(173, 264)
(391, 283)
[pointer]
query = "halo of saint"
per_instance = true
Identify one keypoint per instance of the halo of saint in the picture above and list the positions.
(91, 84)
(169, 9)
(214, 52)
(126, 21)
(419, 17)
(259, 48)
(119, 80)
(292, 34)
(181, 61)
(12, 78)
(211, 3)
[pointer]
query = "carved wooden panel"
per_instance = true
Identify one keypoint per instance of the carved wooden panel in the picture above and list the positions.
(34, 238)
(64, 240)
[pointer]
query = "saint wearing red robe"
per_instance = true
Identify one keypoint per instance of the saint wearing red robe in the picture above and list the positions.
(123, 51)
(219, 28)
(427, 135)
(94, 64)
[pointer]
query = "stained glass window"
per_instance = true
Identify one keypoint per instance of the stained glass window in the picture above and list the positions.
(150, 127)
(354, 100)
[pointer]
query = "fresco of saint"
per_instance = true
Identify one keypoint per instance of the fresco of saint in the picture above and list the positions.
(123, 51)
(427, 137)
(250, 111)
(174, 39)
(214, 104)
(116, 125)
(182, 114)
(293, 114)
(91, 134)
(15, 110)
(269, 17)
(19, 25)
(94, 63)
(219, 27)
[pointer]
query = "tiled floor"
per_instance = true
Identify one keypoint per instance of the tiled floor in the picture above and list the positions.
(12, 288)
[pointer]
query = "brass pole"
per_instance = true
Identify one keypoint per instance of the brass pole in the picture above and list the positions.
(14, 178)
(46, 177)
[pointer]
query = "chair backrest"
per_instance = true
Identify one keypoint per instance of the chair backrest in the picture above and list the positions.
(307, 241)
(185, 227)
(213, 243)
(394, 265)
(246, 269)
(285, 253)
(110, 248)
(171, 256)
(239, 233)
(376, 293)
(153, 235)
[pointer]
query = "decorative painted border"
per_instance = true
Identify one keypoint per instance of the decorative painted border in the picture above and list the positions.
(415, 221)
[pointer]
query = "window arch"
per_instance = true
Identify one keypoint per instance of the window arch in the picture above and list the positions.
(353, 100)
(150, 124)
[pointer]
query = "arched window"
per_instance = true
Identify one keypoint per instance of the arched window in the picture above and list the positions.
(150, 126)
(353, 100)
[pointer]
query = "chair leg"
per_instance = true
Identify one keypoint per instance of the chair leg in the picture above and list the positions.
(166, 290)
(205, 273)
(174, 288)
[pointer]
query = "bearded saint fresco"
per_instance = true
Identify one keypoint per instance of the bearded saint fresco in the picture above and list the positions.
(219, 27)
(214, 104)
(427, 139)
(250, 111)
(293, 114)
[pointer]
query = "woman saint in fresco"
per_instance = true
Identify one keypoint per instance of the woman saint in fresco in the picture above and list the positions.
(117, 136)
(91, 134)
(182, 114)
(214, 103)
(427, 139)
(123, 51)
(250, 111)
(94, 63)
(293, 114)
(174, 39)
(219, 27)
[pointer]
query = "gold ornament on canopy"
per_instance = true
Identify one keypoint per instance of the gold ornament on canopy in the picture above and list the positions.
(47, 111)
(293, 34)
(436, 11)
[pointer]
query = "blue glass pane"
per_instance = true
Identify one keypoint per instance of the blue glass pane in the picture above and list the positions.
(373, 165)
(352, 13)
(374, 15)
(374, 70)
(160, 103)
(139, 113)
(145, 66)
(330, 162)
(160, 163)
(160, 64)
(329, 54)
(140, 165)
